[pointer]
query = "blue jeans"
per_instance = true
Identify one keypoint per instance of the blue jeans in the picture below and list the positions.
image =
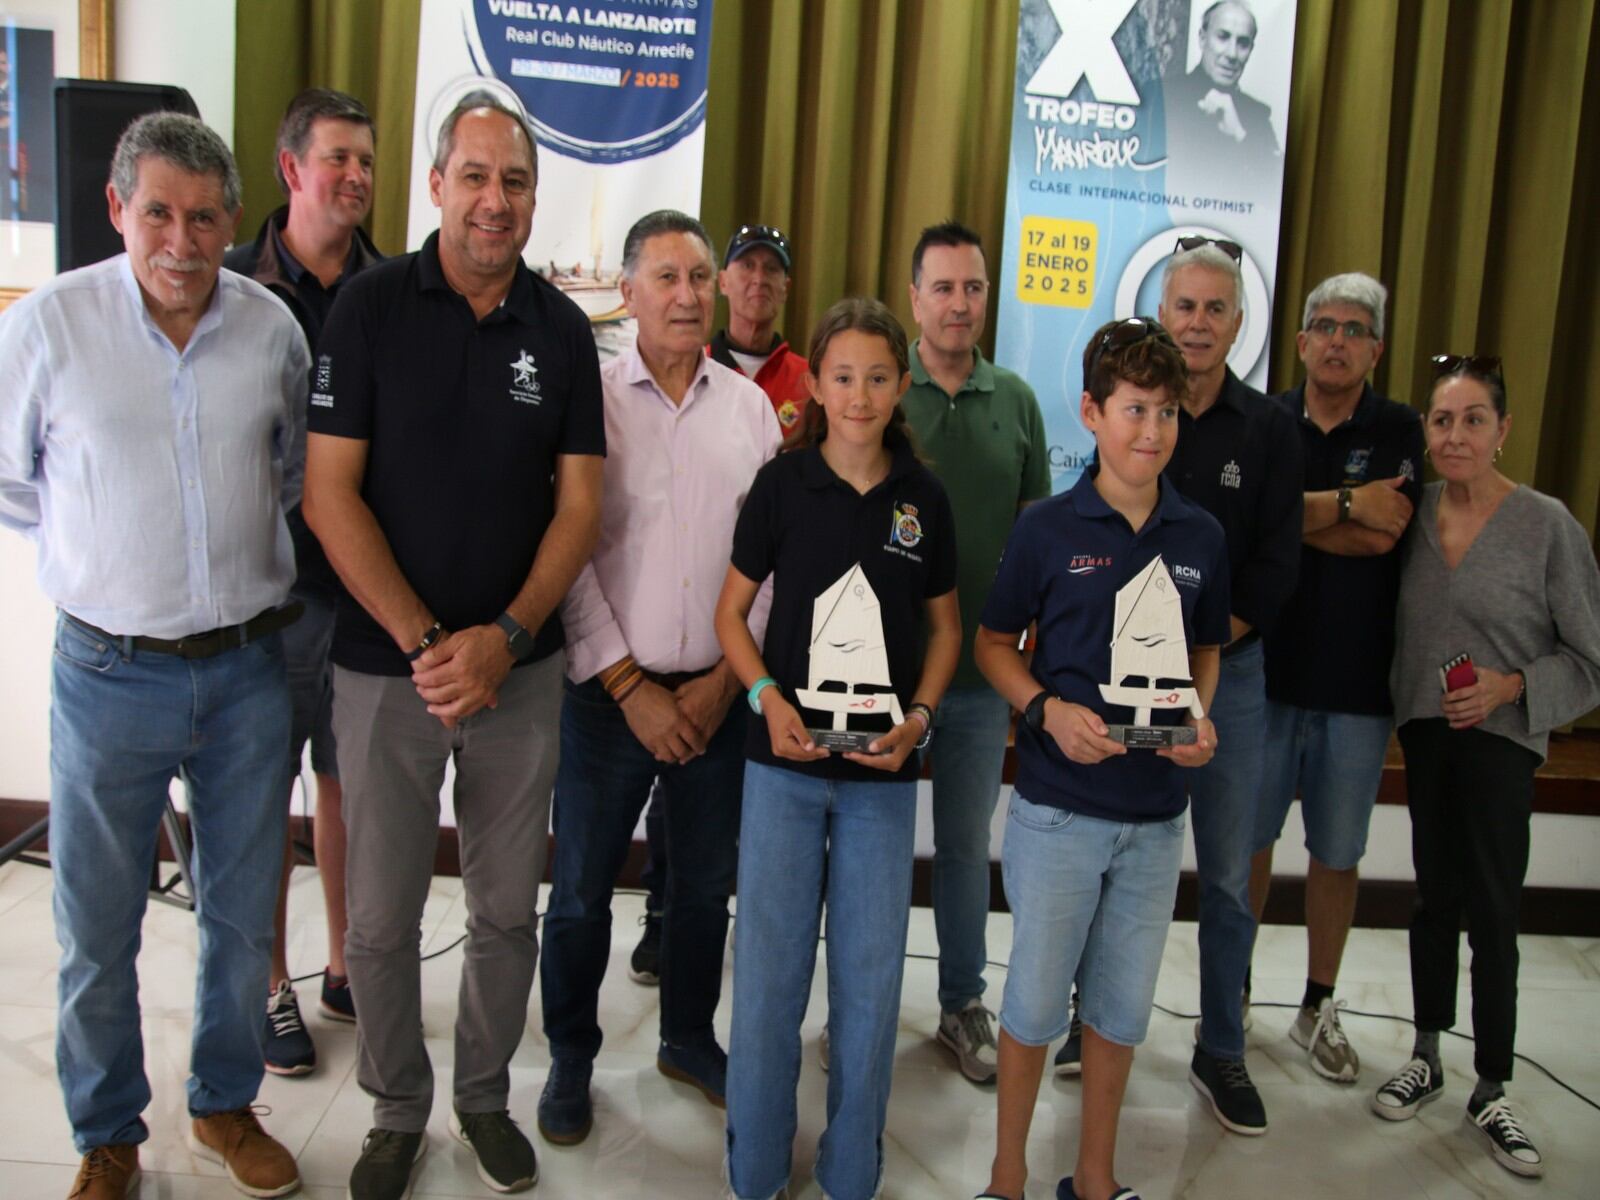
(602, 784)
(1090, 899)
(123, 724)
(1222, 796)
(803, 841)
(967, 753)
(1335, 762)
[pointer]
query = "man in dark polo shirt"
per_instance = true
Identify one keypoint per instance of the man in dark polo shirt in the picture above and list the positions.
(1328, 708)
(1238, 457)
(305, 252)
(981, 429)
(455, 465)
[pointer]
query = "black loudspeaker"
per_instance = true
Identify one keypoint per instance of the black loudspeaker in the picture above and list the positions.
(90, 116)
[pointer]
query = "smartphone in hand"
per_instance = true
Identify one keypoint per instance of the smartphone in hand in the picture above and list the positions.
(1458, 673)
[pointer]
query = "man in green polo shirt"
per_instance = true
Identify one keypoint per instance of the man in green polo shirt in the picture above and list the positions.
(980, 426)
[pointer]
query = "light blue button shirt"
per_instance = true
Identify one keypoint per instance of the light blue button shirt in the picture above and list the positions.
(153, 482)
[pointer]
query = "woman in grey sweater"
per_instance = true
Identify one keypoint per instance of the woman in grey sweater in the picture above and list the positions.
(1502, 575)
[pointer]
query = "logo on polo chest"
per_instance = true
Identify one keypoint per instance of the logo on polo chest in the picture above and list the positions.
(1188, 576)
(322, 385)
(1230, 475)
(1355, 467)
(905, 531)
(524, 379)
(1087, 564)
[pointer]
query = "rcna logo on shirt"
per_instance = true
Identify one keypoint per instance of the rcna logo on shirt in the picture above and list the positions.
(1087, 564)
(322, 388)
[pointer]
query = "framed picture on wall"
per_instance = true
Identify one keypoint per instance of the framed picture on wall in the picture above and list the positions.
(40, 40)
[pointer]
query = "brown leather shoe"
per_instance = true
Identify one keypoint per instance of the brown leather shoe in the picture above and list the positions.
(106, 1173)
(257, 1165)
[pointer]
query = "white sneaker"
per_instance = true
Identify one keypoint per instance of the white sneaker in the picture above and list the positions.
(969, 1035)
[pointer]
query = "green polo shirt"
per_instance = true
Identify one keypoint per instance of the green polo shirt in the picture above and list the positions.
(987, 446)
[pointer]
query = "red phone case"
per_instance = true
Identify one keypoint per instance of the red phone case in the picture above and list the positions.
(1458, 673)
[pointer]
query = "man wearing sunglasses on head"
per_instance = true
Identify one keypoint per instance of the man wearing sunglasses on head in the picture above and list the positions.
(1328, 707)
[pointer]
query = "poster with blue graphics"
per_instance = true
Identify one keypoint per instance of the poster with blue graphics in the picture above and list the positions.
(1135, 123)
(615, 91)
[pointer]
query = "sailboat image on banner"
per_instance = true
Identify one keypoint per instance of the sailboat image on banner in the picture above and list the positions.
(847, 654)
(1150, 660)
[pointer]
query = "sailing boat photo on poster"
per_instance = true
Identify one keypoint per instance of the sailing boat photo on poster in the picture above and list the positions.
(849, 666)
(1150, 659)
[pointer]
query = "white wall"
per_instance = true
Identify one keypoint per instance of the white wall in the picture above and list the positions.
(186, 42)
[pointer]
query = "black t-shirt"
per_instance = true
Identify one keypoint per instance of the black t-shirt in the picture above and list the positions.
(807, 528)
(1240, 461)
(464, 421)
(1065, 562)
(1331, 647)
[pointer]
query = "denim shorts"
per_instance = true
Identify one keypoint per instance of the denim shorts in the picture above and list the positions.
(1334, 761)
(1085, 889)
(305, 651)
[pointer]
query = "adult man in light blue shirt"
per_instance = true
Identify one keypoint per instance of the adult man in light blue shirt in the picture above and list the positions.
(151, 408)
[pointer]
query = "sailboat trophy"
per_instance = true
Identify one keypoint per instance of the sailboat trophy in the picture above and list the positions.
(1150, 660)
(847, 659)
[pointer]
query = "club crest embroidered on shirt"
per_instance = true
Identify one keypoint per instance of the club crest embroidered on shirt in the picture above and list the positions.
(788, 414)
(524, 384)
(322, 385)
(907, 529)
(1408, 470)
(1355, 467)
(1230, 475)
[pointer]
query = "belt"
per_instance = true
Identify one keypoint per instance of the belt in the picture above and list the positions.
(676, 679)
(211, 643)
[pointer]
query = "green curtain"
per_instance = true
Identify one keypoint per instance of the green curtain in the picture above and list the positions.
(1437, 144)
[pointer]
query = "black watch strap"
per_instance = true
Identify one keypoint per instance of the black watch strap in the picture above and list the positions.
(428, 639)
(1033, 715)
(1344, 498)
(517, 638)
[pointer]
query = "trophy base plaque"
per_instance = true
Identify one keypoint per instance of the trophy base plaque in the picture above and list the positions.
(1152, 737)
(841, 741)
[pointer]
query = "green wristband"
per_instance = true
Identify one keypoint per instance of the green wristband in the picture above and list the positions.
(756, 689)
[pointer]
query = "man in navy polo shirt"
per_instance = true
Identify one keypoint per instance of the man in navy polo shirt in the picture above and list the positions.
(1328, 707)
(454, 470)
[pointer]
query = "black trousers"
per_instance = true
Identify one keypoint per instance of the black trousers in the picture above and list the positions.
(1470, 795)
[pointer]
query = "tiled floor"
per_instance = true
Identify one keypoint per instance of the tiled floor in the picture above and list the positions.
(1323, 1143)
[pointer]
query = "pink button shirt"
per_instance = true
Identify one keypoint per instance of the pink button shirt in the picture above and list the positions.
(675, 479)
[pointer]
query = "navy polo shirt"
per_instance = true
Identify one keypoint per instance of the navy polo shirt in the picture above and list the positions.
(806, 527)
(1332, 644)
(464, 420)
(1065, 561)
(1240, 461)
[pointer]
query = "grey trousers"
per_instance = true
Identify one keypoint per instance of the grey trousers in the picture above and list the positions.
(392, 757)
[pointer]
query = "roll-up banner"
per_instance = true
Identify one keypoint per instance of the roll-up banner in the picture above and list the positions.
(1135, 124)
(616, 93)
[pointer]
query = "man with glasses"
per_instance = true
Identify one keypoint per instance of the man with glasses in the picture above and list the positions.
(1328, 708)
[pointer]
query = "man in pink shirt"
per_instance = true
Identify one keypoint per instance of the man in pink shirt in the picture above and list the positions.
(648, 697)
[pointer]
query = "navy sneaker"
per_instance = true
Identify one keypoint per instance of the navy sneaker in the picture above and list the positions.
(286, 1047)
(337, 1004)
(701, 1064)
(644, 967)
(566, 1114)
(1069, 1059)
(1412, 1086)
(1511, 1147)
(1226, 1084)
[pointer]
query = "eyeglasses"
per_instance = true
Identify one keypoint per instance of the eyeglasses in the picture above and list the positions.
(1477, 364)
(758, 235)
(1232, 249)
(1128, 332)
(1355, 331)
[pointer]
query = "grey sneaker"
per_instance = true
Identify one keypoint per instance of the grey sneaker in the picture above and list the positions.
(388, 1158)
(969, 1035)
(1330, 1053)
(506, 1160)
(822, 1048)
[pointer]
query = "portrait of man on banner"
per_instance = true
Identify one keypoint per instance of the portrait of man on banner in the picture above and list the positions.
(1214, 126)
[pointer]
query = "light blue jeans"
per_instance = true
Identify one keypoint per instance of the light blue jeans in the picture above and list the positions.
(804, 841)
(967, 753)
(1223, 796)
(123, 724)
(1334, 762)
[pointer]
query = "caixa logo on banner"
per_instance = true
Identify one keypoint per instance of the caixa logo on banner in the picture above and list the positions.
(604, 81)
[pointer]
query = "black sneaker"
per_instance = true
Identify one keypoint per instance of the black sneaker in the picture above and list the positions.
(701, 1064)
(1408, 1089)
(1509, 1145)
(337, 1003)
(645, 965)
(506, 1161)
(1226, 1084)
(1069, 1059)
(384, 1170)
(566, 1114)
(286, 1047)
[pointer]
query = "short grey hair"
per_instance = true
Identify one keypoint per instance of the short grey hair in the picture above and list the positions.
(471, 102)
(663, 220)
(304, 111)
(186, 142)
(1212, 258)
(1363, 291)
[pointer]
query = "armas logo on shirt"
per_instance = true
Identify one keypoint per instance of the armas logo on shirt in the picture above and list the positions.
(322, 384)
(524, 381)
(905, 531)
(1087, 564)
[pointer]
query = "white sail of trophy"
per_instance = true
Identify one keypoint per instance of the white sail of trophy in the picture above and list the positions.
(847, 647)
(1147, 643)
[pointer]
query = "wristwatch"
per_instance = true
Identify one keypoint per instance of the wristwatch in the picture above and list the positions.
(1344, 505)
(518, 640)
(1033, 715)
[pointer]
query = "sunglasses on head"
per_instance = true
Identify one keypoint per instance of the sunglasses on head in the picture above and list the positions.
(762, 234)
(1232, 249)
(1478, 364)
(1129, 331)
